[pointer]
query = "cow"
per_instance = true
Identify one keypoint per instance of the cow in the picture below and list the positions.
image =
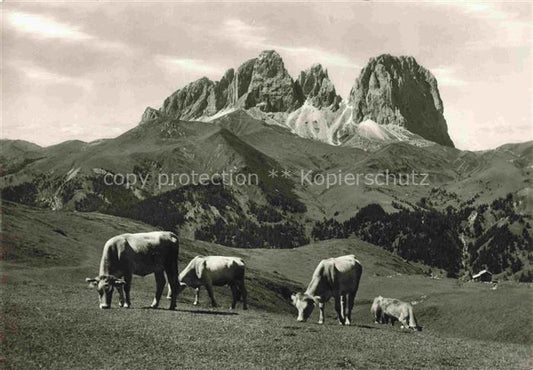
(140, 254)
(338, 277)
(212, 271)
(387, 310)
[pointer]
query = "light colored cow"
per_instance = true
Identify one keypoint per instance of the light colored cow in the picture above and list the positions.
(334, 277)
(212, 271)
(391, 309)
(140, 254)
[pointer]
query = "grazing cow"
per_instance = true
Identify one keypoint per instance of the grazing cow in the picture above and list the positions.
(140, 254)
(338, 277)
(212, 271)
(390, 309)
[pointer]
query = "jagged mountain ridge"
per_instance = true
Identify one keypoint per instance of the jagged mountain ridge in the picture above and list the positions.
(395, 92)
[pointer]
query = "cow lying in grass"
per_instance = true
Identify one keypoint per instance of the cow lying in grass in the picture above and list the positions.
(212, 271)
(387, 310)
(334, 277)
(140, 254)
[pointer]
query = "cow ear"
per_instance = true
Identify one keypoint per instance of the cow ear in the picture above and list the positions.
(200, 268)
(92, 282)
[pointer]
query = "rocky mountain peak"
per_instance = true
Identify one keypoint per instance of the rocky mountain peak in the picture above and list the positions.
(318, 88)
(271, 87)
(397, 90)
(390, 90)
(191, 101)
(261, 82)
(150, 114)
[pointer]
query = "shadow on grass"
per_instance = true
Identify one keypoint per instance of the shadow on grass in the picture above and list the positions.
(365, 327)
(200, 312)
(207, 312)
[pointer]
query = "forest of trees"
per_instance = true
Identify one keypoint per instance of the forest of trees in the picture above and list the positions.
(432, 237)
(247, 234)
(496, 236)
(425, 236)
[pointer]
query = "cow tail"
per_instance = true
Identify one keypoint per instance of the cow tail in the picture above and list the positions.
(240, 277)
(175, 259)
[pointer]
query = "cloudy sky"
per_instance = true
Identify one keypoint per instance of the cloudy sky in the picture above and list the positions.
(87, 70)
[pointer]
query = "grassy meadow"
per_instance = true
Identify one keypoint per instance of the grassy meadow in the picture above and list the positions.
(51, 319)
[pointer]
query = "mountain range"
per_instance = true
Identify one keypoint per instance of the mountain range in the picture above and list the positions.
(258, 119)
(393, 99)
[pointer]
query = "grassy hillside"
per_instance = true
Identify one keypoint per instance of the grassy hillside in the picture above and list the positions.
(51, 319)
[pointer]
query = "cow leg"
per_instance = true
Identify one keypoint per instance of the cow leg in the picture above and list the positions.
(321, 307)
(172, 282)
(160, 283)
(127, 289)
(338, 309)
(343, 307)
(378, 316)
(196, 296)
(234, 295)
(209, 289)
(169, 291)
(244, 294)
(351, 300)
(120, 290)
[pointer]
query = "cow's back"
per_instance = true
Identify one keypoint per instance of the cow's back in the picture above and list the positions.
(148, 242)
(394, 307)
(223, 270)
(339, 274)
(146, 252)
(347, 273)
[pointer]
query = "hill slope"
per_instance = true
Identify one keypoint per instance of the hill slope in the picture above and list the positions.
(65, 247)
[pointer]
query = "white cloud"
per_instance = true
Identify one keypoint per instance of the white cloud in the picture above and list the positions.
(44, 27)
(446, 76)
(44, 76)
(174, 64)
(253, 37)
(246, 35)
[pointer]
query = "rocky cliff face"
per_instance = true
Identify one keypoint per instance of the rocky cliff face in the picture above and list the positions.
(271, 87)
(397, 90)
(192, 101)
(318, 88)
(150, 114)
(389, 91)
(261, 82)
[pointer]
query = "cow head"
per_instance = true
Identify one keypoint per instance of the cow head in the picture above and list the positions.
(104, 286)
(305, 305)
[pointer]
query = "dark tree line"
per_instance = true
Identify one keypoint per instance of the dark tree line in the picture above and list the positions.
(425, 236)
(265, 213)
(246, 234)
(432, 236)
